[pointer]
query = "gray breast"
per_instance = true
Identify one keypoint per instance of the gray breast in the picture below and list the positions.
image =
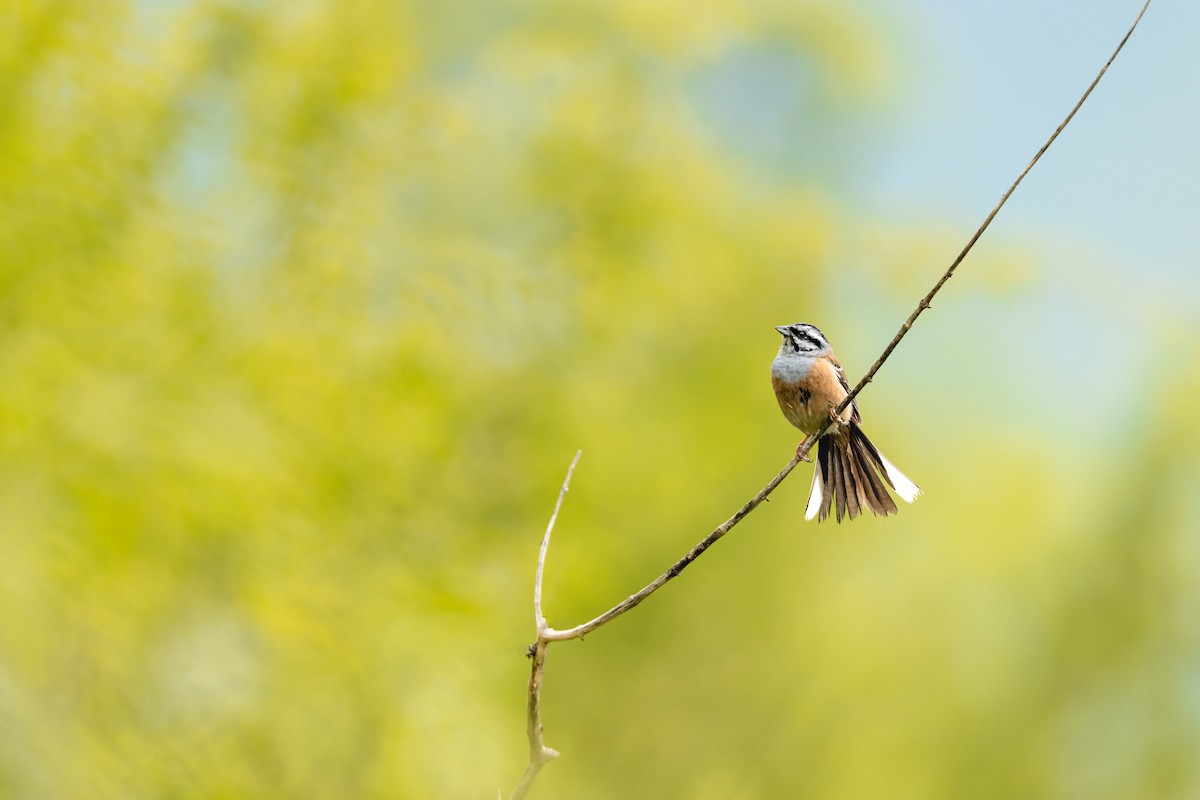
(791, 367)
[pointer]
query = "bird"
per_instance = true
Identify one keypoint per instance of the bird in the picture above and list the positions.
(850, 473)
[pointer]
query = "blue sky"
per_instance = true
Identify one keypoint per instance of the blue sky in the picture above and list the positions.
(1105, 217)
(984, 83)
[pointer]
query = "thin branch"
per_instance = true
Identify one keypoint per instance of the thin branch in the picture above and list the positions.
(539, 754)
(579, 631)
(539, 619)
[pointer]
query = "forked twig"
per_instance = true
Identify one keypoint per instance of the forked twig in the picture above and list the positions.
(539, 754)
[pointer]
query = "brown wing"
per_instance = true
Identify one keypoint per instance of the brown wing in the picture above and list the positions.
(841, 376)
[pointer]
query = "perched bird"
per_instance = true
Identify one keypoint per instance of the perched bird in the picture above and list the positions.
(809, 384)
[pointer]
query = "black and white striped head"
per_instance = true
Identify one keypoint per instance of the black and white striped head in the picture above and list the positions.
(802, 339)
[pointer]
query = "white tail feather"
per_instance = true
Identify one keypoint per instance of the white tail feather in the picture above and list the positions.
(816, 494)
(907, 490)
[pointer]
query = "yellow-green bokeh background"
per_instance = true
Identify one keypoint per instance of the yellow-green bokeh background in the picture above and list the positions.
(306, 306)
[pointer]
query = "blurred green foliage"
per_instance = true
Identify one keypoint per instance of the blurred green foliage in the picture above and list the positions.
(306, 306)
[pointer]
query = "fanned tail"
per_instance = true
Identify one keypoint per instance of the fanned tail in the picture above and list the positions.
(849, 477)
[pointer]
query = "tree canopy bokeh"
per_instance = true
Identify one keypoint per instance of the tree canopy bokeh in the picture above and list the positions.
(306, 307)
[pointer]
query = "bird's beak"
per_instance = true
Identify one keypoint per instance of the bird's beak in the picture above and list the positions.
(782, 329)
